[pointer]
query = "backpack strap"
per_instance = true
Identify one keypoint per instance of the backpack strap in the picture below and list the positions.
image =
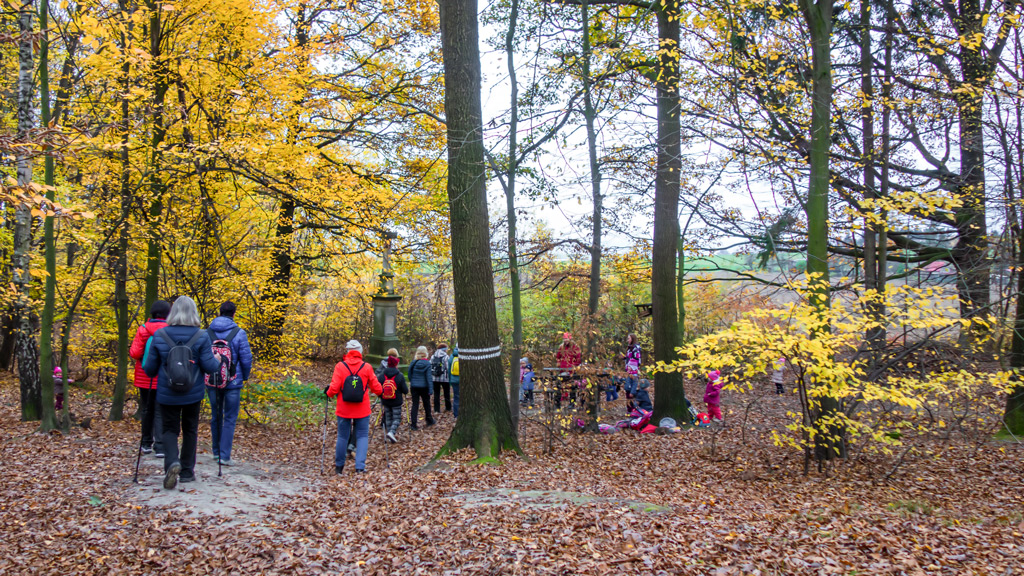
(350, 372)
(167, 338)
(195, 338)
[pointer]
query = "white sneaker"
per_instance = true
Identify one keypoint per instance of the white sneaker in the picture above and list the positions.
(227, 462)
(392, 438)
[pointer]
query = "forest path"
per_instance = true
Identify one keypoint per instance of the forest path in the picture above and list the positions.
(241, 494)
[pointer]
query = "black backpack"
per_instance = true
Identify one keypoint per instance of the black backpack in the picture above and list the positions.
(179, 367)
(353, 389)
(436, 368)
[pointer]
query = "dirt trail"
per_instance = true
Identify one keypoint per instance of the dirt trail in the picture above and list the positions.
(242, 494)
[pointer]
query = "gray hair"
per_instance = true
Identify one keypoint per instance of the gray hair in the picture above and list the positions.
(421, 353)
(183, 313)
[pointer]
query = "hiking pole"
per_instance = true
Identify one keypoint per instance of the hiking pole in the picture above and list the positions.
(384, 431)
(323, 445)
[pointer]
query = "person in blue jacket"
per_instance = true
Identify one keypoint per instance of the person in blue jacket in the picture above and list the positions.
(224, 402)
(180, 410)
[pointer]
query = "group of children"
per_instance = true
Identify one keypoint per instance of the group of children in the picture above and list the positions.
(635, 387)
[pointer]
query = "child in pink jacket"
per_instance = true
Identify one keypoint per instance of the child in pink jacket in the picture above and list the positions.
(713, 395)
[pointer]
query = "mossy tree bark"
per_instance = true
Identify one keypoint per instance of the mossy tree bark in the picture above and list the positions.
(485, 422)
(26, 351)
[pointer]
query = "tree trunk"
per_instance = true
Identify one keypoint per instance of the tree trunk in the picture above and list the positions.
(871, 272)
(484, 423)
(25, 344)
(510, 206)
(589, 114)
(120, 251)
(670, 396)
(970, 254)
(274, 300)
(830, 438)
(157, 186)
(49, 415)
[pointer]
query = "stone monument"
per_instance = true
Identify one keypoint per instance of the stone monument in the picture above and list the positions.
(385, 311)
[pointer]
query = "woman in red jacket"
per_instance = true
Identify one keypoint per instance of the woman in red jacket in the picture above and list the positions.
(146, 385)
(353, 416)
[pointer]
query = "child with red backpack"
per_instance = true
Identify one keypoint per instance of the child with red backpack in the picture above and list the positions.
(393, 385)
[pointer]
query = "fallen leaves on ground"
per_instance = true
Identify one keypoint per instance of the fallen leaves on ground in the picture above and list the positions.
(951, 508)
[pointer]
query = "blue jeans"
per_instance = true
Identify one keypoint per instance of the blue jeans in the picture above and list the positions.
(611, 391)
(455, 399)
(223, 417)
(361, 427)
(631, 383)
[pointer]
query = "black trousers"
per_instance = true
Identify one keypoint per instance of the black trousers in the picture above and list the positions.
(420, 394)
(148, 408)
(438, 387)
(184, 420)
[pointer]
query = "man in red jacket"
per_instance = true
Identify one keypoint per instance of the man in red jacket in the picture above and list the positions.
(146, 385)
(353, 416)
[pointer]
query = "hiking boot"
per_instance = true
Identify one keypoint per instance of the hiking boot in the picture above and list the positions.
(171, 477)
(339, 469)
(358, 471)
(158, 454)
(228, 462)
(185, 478)
(414, 428)
(392, 438)
(147, 450)
(431, 423)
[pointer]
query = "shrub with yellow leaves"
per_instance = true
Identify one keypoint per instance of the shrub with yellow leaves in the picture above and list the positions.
(827, 352)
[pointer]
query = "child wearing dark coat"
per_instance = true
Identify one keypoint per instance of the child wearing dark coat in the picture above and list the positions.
(392, 406)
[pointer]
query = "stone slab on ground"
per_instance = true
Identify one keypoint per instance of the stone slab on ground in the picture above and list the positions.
(546, 499)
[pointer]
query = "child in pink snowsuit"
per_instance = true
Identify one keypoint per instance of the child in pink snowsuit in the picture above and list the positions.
(713, 395)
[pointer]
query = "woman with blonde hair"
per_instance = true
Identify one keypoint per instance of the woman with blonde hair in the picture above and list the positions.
(179, 354)
(421, 386)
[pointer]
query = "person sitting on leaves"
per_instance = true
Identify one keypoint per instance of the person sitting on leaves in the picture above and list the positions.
(642, 398)
(351, 384)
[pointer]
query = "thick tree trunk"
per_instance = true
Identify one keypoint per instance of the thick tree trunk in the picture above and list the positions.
(590, 114)
(484, 423)
(970, 254)
(49, 416)
(670, 396)
(830, 438)
(26, 352)
(510, 207)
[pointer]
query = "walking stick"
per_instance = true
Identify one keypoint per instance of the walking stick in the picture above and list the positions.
(384, 434)
(323, 444)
